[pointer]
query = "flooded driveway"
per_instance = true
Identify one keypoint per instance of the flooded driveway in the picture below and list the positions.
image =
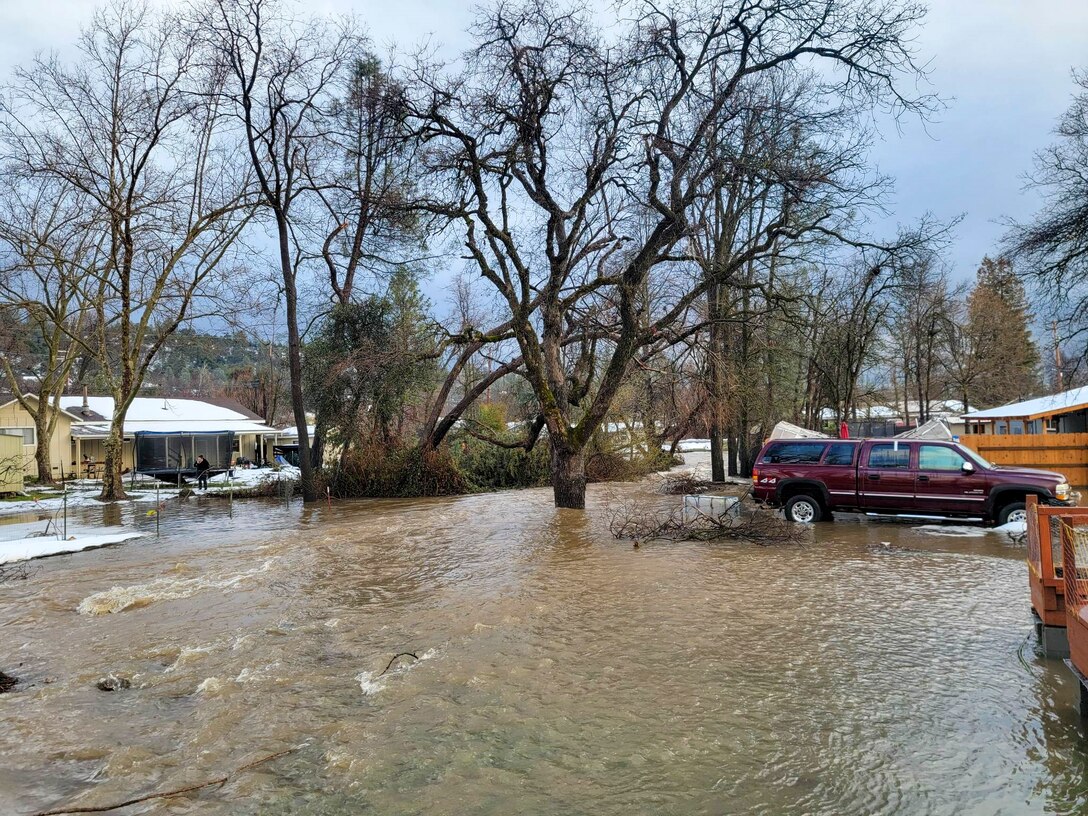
(881, 668)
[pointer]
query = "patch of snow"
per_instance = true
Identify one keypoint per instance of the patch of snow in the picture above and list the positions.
(691, 445)
(41, 546)
(1051, 404)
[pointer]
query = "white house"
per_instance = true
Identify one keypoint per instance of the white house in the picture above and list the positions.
(160, 433)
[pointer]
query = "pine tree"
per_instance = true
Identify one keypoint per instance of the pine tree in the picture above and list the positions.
(1005, 361)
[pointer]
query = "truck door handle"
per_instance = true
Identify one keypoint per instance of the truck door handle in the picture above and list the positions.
(875, 477)
(923, 478)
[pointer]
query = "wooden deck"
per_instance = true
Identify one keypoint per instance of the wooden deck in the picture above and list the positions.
(1075, 575)
(1045, 577)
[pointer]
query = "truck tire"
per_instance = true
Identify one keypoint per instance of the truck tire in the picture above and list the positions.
(803, 509)
(1013, 511)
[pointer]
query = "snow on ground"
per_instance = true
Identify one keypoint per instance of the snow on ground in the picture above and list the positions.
(691, 445)
(24, 549)
(83, 492)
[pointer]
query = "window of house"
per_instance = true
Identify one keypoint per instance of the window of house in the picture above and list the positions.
(795, 453)
(889, 457)
(840, 453)
(936, 457)
(26, 433)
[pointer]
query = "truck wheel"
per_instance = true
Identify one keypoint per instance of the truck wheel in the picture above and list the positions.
(803, 509)
(1015, 511)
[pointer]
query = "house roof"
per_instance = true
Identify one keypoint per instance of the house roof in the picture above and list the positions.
(1062, 403)
(166, 414)
(76, 415)
(293, 431)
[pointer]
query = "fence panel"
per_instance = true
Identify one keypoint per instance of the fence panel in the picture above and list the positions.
(1065, 453)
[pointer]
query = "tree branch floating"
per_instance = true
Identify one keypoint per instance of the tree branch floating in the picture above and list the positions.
(218, 782)
(393, 660)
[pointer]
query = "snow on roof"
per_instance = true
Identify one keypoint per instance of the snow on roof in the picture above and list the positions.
(166, 414)
(293, 431)
(1040, 406)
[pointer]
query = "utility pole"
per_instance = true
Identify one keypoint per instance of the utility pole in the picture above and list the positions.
(1058, 357)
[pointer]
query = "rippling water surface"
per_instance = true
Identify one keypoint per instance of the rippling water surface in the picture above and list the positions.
(878, 669)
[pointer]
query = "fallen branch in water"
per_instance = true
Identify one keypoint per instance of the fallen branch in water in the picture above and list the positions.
(167, 794)
(393, 660)
(757, 526)
(684, 484)
(18, 571)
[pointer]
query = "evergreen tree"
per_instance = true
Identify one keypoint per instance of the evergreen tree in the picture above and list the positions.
(1005, 359)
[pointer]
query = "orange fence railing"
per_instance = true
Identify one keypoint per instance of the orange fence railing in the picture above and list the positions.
(1075, 576)
(1045, 565)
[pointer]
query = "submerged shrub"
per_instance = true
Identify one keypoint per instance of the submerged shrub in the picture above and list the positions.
(467, 465)
(378, 471)
(492, 467)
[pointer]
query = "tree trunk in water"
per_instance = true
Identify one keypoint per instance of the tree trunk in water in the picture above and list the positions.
(294, 364)
(41, 450)
(717, 453)
(732, 442)
(317, 444)
(113, 488)
(716, 376)
(568, 477)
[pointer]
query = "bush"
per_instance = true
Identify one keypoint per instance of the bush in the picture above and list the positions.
(468, 465)
(614, 467)
(491, 467)
(380, 472)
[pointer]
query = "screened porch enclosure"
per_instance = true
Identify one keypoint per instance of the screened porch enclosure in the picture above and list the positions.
(163, 453)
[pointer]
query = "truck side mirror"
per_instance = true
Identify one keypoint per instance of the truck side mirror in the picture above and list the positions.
(967, 468)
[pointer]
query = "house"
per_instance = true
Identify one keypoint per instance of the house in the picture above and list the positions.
(161, 434)
(1048, 432)
(285, 444)
(1066, 412)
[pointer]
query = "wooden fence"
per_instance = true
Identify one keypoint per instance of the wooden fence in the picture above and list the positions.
(1065, 453)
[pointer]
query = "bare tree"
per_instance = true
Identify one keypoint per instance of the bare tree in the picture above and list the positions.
(281, 76)
(131, 131)
(47, 251)
(1053, 247)
(923, 305)
(571, 158)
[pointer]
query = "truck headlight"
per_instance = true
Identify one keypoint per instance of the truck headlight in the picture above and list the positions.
(1061, 492)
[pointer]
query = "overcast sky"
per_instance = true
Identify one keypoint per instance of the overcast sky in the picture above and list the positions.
(1003, 65)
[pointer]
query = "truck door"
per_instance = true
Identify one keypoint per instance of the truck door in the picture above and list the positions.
(942, 487)
(886, 477)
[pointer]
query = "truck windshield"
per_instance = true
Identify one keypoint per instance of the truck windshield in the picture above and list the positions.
(974, 457)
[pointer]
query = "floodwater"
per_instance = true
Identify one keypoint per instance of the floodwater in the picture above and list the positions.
(880, 668)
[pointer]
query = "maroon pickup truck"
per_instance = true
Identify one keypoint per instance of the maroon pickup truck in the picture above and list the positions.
(915, 478)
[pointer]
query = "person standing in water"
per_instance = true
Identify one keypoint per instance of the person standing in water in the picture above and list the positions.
(202, 468)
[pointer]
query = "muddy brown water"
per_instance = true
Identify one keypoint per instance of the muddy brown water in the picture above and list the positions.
(881, 668)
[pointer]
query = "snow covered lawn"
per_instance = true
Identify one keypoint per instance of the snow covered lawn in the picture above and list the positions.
(24, 549)
(83, 493)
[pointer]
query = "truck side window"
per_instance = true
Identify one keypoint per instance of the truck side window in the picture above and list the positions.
(795, 453)
(936, 457)
(889, 456)
(840, 453)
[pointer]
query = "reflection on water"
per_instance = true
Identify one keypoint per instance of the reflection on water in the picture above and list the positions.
(880, 668)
